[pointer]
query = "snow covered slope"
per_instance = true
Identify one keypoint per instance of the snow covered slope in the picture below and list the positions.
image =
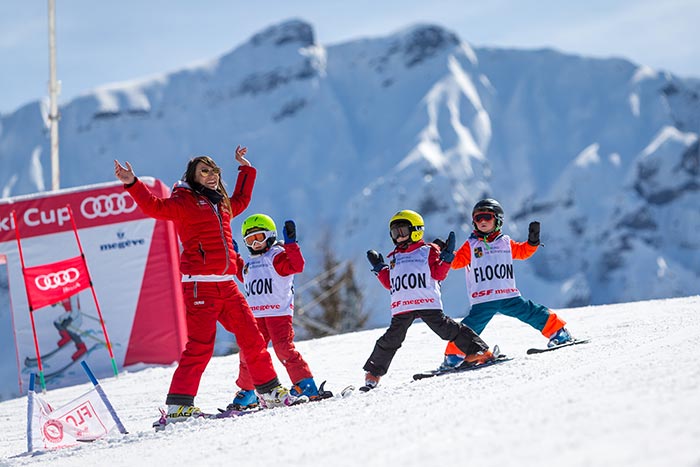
(628, 398)
(604, 153)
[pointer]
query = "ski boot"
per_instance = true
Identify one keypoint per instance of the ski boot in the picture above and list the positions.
(182, 412)
(306, 387)
(478, 358)
(279, 396)
(371, 382)
(176, 413)
(451, 362)
(245, 399)
(562, 336)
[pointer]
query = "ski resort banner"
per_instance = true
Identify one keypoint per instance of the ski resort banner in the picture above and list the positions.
(133, 263)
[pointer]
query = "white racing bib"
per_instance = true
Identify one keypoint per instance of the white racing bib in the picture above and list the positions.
(268, 293)
(412, 286)
(490, 274)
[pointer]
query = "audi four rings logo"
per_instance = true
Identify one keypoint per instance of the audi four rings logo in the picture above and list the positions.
(56, 279)
(107, 205)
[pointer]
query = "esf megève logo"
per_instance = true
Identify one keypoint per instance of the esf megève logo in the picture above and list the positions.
(123, 243)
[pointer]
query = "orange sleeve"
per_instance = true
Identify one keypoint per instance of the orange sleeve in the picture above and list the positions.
(522, 250)
(463, 256)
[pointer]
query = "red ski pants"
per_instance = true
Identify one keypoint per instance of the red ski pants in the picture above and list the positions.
(206, 303)
(279, 330)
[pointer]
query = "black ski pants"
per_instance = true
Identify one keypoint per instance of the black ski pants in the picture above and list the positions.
(445, 327)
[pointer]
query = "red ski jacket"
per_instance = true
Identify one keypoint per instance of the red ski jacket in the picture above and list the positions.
(291, 261)
(205, 233)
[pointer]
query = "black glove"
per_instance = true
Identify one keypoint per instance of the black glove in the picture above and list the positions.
(289, 232)
(376, 260)
(448, 252)
(440, 243)
(533, 233)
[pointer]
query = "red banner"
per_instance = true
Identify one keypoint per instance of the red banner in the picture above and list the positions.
(50, 283)
(42, 214)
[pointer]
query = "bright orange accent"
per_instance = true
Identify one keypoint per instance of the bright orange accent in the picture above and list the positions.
(554, 323)
(479, 358)
(463, 256)
(522, 250)
(452, 349)
(370, 378)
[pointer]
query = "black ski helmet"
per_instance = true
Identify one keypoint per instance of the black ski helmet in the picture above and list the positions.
(489, 204)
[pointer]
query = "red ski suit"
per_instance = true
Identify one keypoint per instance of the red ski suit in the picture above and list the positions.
(207, 249)
(278, 329)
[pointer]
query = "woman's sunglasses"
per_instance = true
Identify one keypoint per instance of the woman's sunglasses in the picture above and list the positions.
(206, 171)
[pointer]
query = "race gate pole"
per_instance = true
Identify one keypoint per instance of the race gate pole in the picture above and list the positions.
(92, 289)
(29, 303)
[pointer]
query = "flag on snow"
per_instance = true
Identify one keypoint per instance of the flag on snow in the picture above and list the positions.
(85, 418)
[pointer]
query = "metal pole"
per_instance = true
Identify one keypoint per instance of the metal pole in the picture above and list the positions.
(53, 97)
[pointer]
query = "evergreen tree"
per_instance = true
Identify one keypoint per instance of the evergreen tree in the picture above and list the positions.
(337, 295)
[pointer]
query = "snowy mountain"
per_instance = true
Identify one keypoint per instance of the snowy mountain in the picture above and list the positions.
(604, 153)
(628, 398)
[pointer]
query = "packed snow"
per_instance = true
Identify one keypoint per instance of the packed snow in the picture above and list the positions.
(629, 397)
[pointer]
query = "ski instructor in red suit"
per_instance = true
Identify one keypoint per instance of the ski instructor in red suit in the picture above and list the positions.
(202, 212)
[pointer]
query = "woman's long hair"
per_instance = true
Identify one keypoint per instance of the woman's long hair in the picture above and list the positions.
(190, 177)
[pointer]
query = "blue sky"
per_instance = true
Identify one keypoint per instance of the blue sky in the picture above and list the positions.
(100, 42)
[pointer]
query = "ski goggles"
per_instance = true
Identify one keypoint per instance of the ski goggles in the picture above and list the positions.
(484, 216)
(400, 230)
(258, 237)
(206, 171)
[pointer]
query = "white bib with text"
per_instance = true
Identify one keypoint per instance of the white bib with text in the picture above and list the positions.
(412, 286)
(490, 274)
(268, 293)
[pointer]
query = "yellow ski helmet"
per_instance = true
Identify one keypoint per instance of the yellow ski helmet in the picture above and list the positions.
(410, 218)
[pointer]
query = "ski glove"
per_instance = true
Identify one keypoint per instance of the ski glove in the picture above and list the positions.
(376, 260)
(289, 232)
(440, 243)
(235, 246)
(448, 252)
(533, 233)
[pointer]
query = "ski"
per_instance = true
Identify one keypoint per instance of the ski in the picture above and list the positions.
(162, 422)
(325, 394)
(33, 361)
(461, 368)
(59, 371)
(556, 347)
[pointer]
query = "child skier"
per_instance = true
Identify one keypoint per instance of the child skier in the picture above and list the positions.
(268, 277)
(413, 277)
(488, 257)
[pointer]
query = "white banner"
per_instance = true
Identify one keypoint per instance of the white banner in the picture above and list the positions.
(86, 418)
